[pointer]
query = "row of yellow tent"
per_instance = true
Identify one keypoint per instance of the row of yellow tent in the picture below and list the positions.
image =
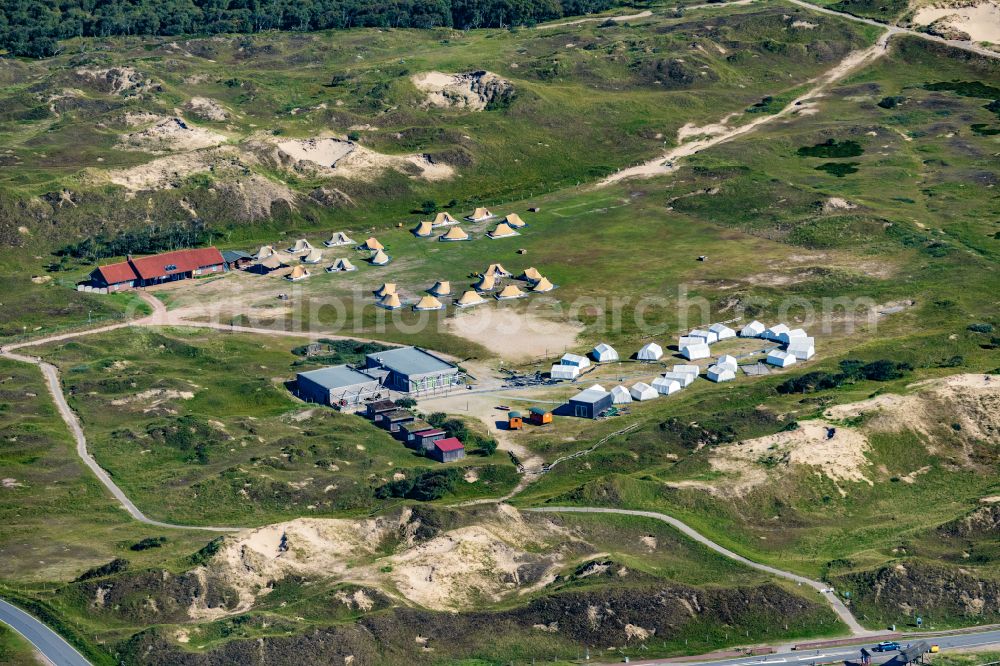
(505, 229)
(388, 297)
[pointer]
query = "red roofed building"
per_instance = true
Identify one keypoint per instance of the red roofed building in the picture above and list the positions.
(167, 267)
(447, 450)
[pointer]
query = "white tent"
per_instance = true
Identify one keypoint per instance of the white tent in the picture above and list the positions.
(708, 336)
(597, 387)
(650, 352)
(728, 361)
(338, 238)
(788, 336)
(780, 358)
(314, 257)
(689, 340)
(564, 372)
(264, 252)
(722, 331)
(666, 386)
(721, 373)
(775, 331)
(620, 396)
(802, 349)
(575, 359)
(752, 330)
(683, 378)
(643, 391)
(696, 352)
(692, 370)
(604, 353)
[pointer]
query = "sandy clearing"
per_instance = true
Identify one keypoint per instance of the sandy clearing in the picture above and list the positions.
(666, 163)
(981, 22)
(153, 397)
(514, 334)
(501, 556)
(335, 156)
(470, 90)
(840, 458)
(207, 109)
(171, 134)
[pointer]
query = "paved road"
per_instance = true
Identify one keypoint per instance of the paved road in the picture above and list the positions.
(50, 644)
(850, 654)
(835, 603)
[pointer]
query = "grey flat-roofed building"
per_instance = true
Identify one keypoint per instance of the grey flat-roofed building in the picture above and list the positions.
(413, 370)
(590, 403)
(336, 385)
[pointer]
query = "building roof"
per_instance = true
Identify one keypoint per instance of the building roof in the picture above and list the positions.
(514, 414)
(115, 273)
(410, 361)
(429, 432)
(399, 415)
(382, 405)
(448, 444)
(229, 256)
(179, 261)
(539, 410)
(591, 395)
(337, 376)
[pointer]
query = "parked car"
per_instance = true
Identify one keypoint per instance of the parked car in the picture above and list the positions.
(886, 646)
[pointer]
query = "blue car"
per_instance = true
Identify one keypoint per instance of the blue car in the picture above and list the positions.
(886, 646)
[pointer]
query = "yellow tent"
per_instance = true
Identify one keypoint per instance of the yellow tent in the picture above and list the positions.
(298, 273)
(423, 230)
(443, 220)
(372, 244)
(442, 288)
(428, 303)
(469, 298)
(264, 252)
(510, 291)
(514, 220)
(455, 234)
(386, 289)
(486, 283)
(543, 285)
(502, 230)
(531, 274)
(480, 214)
(344, 265)
(496, 270)
(380, 258)
(391, 302)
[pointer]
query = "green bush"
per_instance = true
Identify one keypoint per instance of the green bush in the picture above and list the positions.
(832, 148)
(116, 565)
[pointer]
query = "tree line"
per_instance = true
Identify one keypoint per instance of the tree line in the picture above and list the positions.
(34, 27)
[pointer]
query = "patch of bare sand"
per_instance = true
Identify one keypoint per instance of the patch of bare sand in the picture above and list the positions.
(171, 134)
(207, 109)
(975, 21)
(514, 334)
(840, 458)
(333, 156)
(691, 131)
(470, 90)
(457, 569)
(834, 204)
(118, 80)
(970, 400)
(153, 397)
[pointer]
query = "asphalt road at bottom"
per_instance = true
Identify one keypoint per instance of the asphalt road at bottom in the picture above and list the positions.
(849, 654)
(50, 644)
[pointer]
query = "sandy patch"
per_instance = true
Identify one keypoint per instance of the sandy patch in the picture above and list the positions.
(504, 555)
(333, 156)
(840, 457)
(804, 24)
(10, 483)
(616, 19)
(118, 80)
(980, 22)
(515, 335)
(690, 130)
(972, 401)
(171, 134)
(834, 204)
(471, 90)
(153, 398)
(207, 109)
